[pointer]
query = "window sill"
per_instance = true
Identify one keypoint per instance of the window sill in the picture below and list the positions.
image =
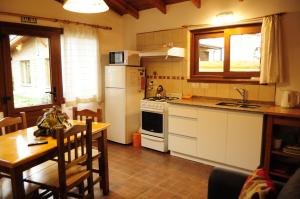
(224, 80)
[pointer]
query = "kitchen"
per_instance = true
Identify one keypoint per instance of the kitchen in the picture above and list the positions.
(153, 29)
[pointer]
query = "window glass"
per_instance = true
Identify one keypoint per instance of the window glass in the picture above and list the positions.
(211, 54)
(245, 52)
(30, 70)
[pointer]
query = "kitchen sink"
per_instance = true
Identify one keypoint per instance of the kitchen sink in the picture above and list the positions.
(233, 104)
(237, 104)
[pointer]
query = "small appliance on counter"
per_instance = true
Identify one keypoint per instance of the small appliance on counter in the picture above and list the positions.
(289, 99)
(154, 120)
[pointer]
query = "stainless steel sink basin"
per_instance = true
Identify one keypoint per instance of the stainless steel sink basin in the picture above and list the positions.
(233, 104)
(236, 104)
(249, 106)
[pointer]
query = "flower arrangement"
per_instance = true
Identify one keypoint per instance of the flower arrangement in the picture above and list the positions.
(52, 119)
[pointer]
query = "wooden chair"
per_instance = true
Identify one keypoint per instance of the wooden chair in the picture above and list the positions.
(96, 153)
(11, 124)
(31, 190)
(95, 116)
(69, 173)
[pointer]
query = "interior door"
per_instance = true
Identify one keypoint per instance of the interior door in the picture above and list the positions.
(31, 70)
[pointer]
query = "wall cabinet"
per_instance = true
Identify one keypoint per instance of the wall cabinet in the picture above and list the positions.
(231, 138)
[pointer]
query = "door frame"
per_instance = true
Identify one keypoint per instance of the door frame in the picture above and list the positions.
(53, 34)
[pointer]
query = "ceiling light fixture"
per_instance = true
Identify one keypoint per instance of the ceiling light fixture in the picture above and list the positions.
(85, 6)
(224, 17)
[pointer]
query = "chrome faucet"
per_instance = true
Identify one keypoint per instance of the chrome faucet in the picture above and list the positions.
(243, 93)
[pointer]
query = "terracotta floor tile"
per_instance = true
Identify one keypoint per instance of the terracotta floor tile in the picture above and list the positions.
(148, 174)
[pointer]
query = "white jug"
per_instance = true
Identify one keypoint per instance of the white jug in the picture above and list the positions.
(289, 99)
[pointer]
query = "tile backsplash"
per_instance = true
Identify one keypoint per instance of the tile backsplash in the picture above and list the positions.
(172, 73)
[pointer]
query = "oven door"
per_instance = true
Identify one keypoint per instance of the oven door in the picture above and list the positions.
(152, 123)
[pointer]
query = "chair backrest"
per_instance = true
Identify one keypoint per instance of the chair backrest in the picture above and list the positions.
(86, 113)
(10, 124)
(78, 137)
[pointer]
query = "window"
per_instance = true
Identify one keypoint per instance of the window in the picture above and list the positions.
(25, 72)
(47, 73)
(80, 64)
(226, 54)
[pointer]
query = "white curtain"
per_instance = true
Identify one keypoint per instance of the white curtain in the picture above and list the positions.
(271, 57)
(80, 64)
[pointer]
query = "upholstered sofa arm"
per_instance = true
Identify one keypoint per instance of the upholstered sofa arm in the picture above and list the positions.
(225, 184)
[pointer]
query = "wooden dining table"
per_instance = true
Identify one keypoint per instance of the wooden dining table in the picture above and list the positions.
(16, 156)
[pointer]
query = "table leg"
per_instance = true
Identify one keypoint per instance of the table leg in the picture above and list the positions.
(17, 184)
(103, 162)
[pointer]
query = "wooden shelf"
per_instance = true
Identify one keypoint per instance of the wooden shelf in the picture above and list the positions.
(280, 164)
(282, 175)
(283, 154)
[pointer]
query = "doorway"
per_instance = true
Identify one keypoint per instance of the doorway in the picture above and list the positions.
(30, 66)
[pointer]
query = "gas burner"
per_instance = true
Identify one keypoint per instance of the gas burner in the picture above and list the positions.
(161, 99)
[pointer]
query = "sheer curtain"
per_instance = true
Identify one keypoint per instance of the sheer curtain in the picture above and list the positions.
(80, 64)
(271, 58)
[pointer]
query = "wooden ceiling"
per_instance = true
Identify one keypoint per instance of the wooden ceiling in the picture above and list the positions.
(133, 7)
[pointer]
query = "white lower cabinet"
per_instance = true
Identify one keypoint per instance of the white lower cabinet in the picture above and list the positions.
(225, 137)
(183, 144)
(212, 134)
(183, 127)
(244, 139)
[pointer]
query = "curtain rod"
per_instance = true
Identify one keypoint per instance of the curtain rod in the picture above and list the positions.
(56, 20)
(250, 20)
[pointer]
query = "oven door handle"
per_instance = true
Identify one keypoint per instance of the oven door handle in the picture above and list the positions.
(152, 110)
(153, 138)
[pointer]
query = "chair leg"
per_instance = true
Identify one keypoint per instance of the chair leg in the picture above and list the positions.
(91, 186)
(81, 188)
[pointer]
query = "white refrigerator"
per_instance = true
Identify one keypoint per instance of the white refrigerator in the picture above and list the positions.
(123, 92)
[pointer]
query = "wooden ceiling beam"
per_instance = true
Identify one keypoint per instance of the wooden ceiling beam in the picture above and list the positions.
(129, 9)
(60, 1)
(159, 4)
(197, 3)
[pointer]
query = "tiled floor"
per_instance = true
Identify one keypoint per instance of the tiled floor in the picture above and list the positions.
(144, 173)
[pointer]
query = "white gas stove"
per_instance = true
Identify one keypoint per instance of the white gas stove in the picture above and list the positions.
(154, 122)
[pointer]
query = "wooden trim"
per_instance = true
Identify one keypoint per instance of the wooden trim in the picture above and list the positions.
(56, 20)
(53, 35)
(159, 4)
(223, 80)
(126, 6)
(226, 75)
(197, 3)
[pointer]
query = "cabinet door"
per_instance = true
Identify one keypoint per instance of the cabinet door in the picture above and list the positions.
(244, 137)
(212, 134)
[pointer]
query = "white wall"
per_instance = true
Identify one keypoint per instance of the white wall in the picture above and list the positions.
(109, 39)
(291, 54)
(186, 13)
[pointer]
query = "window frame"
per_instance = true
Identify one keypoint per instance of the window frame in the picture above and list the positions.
(226, 75)
(25, 73)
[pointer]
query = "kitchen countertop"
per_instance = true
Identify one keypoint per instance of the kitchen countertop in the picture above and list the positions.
(265, 108)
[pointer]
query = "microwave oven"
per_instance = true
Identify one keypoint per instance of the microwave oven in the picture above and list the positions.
(124, 57)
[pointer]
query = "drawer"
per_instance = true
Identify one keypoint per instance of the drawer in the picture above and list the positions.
(183, 144)
(183, 126)
(185, 111)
